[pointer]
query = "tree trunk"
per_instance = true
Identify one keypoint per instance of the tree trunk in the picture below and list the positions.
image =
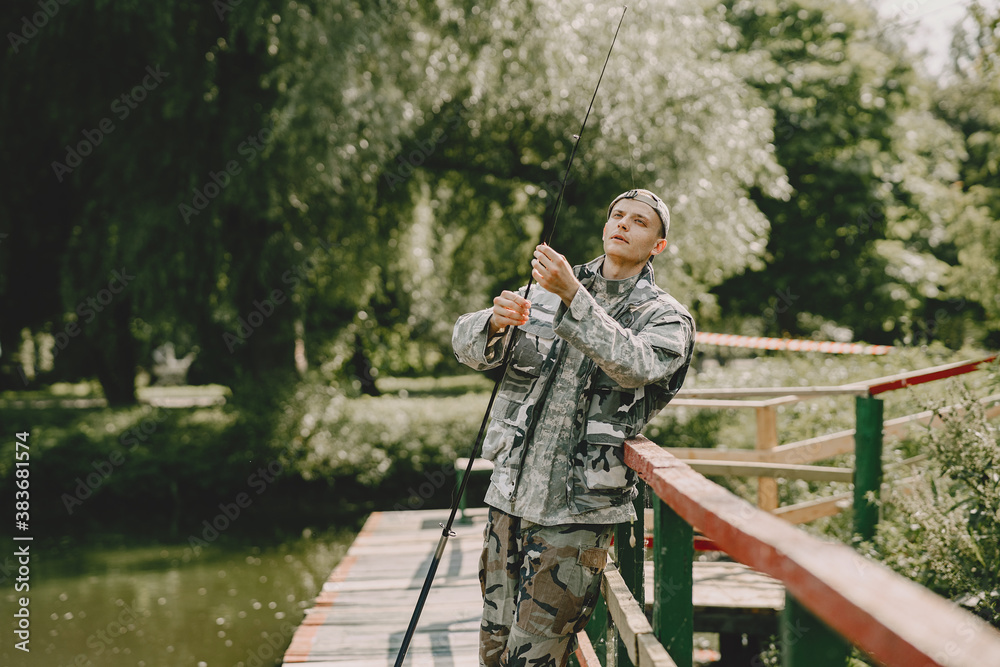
(363, 370)
(115, 352)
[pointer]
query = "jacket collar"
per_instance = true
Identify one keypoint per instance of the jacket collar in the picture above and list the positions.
(644, 289)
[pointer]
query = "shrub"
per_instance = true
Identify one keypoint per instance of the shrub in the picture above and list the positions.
(942, 529)
(377, 452)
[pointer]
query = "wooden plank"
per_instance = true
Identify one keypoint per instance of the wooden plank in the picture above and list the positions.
(818, 448)
(783, 400)
(729, 586)
(481, 465)
(810, 510)
(786, 470)
(585, 653)
(767, 439)
(894, 620)
(746, 392)
(900, 426)
(628, 617)
(360, 616)
(868, 387)
(720, 454)
(842, 442)
(815, 449)
(714, 403)
(651, 652)
(912, 378)
(731, 403)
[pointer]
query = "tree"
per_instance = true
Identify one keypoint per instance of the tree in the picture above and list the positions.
(971, 104)
(863, 241)
(479, 163)
(286, 157)
(174, 164)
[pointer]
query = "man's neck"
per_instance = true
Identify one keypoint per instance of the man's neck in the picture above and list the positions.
(613, 270)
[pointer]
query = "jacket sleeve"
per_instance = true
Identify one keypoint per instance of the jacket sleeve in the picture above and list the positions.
(472, 343)
(629, 358)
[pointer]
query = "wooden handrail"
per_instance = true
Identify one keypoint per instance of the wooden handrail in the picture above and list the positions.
(864, 388)
(893, 619)
(911, 378)
(777, 392)
(763, 469)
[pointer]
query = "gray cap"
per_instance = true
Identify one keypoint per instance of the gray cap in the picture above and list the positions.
(646, 197)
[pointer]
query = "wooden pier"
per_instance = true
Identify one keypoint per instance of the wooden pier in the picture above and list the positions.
(359, 617)
(361, 614)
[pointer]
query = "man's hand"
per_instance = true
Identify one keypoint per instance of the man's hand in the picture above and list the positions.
(508, 310)
(553, 272)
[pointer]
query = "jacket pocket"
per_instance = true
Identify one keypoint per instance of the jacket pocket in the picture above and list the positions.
(615, 414)
(504, 430)
(533, 344)
(600, 477)
(505, 469)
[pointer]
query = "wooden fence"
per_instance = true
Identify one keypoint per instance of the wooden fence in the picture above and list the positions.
(771, 460)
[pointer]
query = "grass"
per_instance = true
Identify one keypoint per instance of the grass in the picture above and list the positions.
(428, 386)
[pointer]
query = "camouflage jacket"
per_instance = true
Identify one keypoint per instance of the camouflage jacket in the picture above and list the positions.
(617, 400)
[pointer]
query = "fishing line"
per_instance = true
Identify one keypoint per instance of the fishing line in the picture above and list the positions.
(546, 237)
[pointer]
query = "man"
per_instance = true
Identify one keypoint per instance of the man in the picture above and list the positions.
(600, 350)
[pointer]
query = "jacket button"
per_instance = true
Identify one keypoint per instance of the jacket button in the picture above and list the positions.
(626, 319)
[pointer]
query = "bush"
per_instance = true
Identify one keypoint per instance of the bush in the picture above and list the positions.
(382, 452)
(942, 528)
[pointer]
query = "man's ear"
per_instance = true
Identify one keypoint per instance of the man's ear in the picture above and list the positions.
(660, 246)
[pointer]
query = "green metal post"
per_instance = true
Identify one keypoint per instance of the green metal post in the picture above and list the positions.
(808, 642)
(868, 465)
(673, 558)
(459, 476)
(629, 559)
(597, 630)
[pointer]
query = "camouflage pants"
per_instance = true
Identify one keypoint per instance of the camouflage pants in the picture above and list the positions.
(540, 584)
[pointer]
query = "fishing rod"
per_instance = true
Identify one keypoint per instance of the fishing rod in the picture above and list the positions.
(447, 532)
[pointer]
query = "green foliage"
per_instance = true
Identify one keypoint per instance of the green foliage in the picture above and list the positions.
(941, 528)
(971, 104)
(124, 466)
(868, 239)
(393, 165)
(481, 154)
(376, 442)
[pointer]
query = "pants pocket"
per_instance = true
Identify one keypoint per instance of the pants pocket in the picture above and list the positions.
(560, 590)
(591, 562)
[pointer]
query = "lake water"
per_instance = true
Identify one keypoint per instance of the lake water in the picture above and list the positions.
(232, 604)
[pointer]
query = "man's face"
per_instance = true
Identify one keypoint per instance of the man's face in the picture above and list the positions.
(632, 232)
